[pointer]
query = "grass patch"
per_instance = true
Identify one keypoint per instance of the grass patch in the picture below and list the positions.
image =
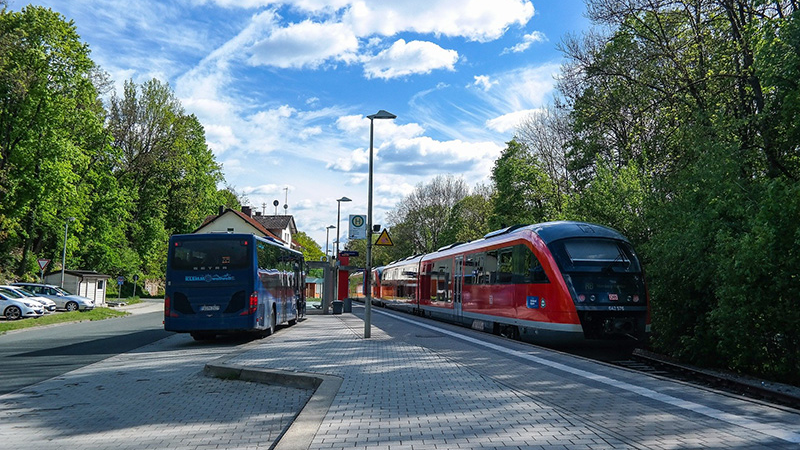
(60, 317)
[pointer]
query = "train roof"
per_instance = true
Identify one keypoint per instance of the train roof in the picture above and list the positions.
(553, 231)
(548, 232)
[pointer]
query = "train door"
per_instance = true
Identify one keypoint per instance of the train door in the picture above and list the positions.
(458, 285)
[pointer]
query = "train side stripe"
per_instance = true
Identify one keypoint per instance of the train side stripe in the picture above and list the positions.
(713, 413)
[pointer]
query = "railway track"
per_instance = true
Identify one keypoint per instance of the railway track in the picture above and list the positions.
(750, 388)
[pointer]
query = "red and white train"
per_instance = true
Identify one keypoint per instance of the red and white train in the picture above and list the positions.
(549, 283)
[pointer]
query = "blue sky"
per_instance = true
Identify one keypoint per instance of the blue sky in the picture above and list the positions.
(283, 87)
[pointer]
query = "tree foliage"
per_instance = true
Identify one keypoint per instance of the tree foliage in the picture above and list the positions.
(121, 179)
(419, 219)
(684, 118)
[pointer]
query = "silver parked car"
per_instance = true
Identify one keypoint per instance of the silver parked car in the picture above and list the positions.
(63, 299)
(24, 294)
(14, 309)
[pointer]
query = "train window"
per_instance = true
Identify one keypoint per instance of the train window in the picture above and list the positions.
(504, 266)
(527, 268)
(440, 280)
(472, 268)
(489, 270)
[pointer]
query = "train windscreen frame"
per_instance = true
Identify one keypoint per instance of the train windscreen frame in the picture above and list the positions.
(595, 254)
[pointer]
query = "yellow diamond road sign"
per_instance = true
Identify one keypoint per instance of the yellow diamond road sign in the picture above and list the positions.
(384, 239)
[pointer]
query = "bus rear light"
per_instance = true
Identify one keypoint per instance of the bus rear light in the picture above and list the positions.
(253, 305)
(581, 298)
(168, 308)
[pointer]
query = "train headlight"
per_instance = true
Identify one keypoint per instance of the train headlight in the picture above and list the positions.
(581, 298)
(636, 299)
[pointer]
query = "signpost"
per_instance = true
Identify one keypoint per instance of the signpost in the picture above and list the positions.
(384, 239)
(42, 264)
(358, 226)
(135, 280)
(120, 280)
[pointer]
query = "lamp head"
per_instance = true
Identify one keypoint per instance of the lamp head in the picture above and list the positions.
(382, 114)
(343, 199)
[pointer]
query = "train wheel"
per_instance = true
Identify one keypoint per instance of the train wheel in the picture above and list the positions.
(509, 331)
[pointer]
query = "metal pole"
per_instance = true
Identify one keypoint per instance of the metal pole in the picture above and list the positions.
(64, 253)
(327, 231)
(338, 220)
(368, 268)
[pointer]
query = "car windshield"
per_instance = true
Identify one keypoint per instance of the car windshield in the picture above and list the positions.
(25, 292)
(11, 293)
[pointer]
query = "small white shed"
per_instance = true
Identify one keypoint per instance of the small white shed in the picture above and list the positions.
(87, 283)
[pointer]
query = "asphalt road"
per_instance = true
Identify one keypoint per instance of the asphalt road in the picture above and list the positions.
(38, 354)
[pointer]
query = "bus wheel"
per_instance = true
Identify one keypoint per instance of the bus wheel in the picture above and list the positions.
(272, 323)
(203, 336)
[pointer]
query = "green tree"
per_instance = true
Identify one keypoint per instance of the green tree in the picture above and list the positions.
(469, 218)
(311, 250)
(50, 119)
(167, 167)
(523, 192)
(684, 122)
(420, 218)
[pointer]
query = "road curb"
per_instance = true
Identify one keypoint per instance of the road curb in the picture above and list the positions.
(306, 423)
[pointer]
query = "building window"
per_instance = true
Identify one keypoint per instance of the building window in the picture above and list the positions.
(100, 285)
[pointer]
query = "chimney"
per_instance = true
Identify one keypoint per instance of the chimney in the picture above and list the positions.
(247, 211)
(258, 213)
(221, 210)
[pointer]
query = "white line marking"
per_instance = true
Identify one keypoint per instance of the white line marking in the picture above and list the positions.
(734, 419)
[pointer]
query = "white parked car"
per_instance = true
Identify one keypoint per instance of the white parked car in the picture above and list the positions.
(63, 299)
(15, 309)
(49, 305)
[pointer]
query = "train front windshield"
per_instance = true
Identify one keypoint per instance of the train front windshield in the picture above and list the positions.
(600, 271)
(591, 255)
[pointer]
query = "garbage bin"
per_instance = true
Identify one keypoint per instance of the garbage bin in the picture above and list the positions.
(337, 306)
(348, 305)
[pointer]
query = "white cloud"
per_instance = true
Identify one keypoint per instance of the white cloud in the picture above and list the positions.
(477, 20)
(527, 41)
(306, 133)
(483, 82)
(403, 59)
(306, 44)
(509, 122)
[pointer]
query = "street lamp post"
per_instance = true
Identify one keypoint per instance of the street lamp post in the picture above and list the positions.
(64, 253)
(368, 269)
(327, 231)
(338, 236)
(338, 221)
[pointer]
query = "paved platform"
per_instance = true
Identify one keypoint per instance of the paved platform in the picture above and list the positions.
(407, 387)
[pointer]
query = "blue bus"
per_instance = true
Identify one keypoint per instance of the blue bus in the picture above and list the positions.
(231, 283)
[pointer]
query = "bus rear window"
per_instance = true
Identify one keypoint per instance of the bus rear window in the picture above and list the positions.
(210, 255)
